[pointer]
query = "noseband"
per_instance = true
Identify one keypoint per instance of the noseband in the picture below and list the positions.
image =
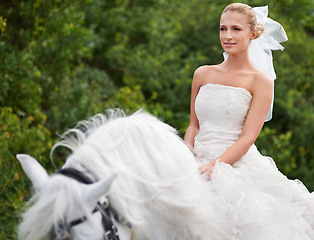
(111, 231)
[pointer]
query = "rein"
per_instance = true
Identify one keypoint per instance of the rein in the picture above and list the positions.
(111, 231)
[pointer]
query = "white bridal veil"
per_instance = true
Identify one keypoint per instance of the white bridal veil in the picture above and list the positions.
(260, 50)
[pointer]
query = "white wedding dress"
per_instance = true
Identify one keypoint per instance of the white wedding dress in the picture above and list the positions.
(258, 201)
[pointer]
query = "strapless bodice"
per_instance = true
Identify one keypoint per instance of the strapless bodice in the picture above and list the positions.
(252, 192)
(221, 111)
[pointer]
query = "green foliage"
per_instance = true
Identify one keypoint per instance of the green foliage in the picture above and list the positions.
(63, 61)
(281, 148)
(3, 24)
(18, 135)
(79, 97)
(132, 99)
(151, 45)
(18, 87)
(294, 103)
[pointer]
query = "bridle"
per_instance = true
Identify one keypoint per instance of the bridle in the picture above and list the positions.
(63, 231)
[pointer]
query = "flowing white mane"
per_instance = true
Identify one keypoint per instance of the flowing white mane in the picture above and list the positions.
(158, 187)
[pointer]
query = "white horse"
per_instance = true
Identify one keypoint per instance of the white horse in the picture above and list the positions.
(153, 179)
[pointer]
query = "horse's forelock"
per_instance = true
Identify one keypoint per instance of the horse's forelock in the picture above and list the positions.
(51, 206)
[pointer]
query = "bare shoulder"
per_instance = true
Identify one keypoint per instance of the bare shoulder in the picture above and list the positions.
(203, 73)
(204, 69)
(262, 83)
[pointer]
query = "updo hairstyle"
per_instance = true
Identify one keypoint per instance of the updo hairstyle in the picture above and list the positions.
(249, 12)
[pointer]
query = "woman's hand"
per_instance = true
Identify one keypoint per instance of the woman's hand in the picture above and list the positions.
(207, 169)
(196, 154)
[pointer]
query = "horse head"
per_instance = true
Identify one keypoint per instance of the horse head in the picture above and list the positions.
(64, 207)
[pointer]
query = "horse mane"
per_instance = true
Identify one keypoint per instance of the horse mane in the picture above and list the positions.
(157, 187)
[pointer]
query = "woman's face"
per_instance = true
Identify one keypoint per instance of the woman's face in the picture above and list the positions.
(235, 32)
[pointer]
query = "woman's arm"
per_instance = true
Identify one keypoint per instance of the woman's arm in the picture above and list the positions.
(193, 128)
(262, 88)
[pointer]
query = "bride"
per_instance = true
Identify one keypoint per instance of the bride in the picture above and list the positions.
(229, 104)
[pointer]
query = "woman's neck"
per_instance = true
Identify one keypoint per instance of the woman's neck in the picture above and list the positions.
(238, 62)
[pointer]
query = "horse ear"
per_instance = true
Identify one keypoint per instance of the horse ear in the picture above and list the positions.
(96, 190)
(35, 172)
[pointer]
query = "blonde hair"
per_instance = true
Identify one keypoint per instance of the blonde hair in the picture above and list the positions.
(249, 12)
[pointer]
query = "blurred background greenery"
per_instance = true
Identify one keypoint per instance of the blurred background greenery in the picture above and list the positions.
(64, 60)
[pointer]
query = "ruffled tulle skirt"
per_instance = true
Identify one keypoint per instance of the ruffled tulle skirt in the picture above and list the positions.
(259, 202)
